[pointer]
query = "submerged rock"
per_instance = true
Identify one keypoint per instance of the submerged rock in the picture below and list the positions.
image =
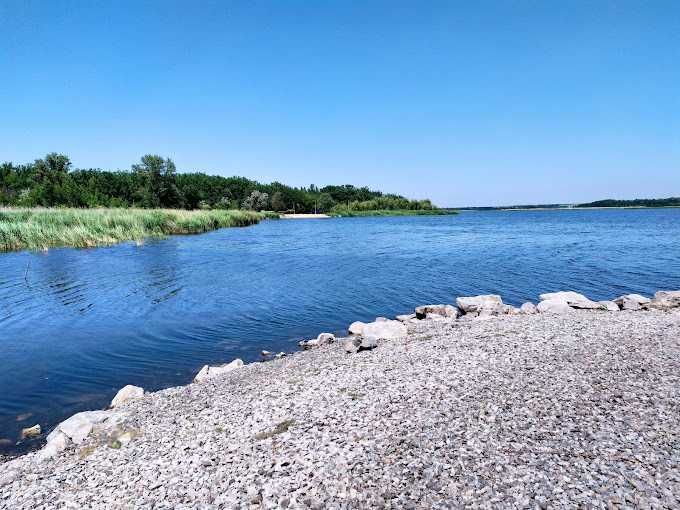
(486, 305)
(208, 372)
(631, 301)
(127, 393)
(29, 432)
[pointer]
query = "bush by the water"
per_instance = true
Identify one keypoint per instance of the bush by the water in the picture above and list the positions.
(36, 229)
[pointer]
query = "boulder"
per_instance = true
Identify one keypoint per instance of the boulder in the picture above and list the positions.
(29, 432)
(442, 310)
(573, 299)
(528, 309)
(405, 317)
(57, 442)
(280, 355)
(351, 344)
(554, 306)
(127, 393)
(368, 342)
(490, 304)
(322, 339)
(510, 310)
(631, 301)
(356, 328)
(208, 372)
(78, 427)
(610, 306)
(665, 300)
(383, 330)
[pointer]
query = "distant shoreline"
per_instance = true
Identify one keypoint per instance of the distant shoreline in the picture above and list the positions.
(492, 209)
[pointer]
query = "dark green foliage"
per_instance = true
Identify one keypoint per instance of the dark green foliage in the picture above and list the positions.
(154, 182)
(639, 202)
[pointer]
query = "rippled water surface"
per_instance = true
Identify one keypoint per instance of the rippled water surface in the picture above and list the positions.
(76, 325)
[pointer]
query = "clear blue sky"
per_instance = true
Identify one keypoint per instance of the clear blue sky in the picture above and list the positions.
(469, 103)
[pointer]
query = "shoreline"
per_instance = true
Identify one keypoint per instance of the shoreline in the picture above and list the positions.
(237, 419)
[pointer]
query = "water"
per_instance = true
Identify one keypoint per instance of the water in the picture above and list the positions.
(76, 325)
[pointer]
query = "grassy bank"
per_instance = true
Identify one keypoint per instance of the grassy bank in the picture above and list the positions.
(393, 212)
(36, 229)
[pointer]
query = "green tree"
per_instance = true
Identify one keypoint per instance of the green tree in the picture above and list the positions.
(158, 187)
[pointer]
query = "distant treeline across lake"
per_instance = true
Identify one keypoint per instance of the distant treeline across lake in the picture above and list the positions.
(155, 183)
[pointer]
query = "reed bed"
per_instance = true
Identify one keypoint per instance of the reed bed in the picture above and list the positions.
(39, 229)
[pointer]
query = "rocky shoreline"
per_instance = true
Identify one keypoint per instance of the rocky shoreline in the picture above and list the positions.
(568, 402)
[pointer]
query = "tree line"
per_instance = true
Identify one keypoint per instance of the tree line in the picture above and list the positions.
(638, 202)
(154, 182)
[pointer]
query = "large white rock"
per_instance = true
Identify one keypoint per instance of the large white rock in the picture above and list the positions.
(665, 300)
(610, 306)
(443, 310)
(573, 299)
(127, 393)
(554, 306)
(356, 328)
(78, 427)
(383, 330)
(57, 442)
(527, 309)
(406, 317)
(208, 372)
(631, 301)
(322, 339)
(489, 304)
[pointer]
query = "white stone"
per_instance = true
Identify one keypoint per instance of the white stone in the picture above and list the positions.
(384, 330)
(490, 304)
(510, 310)
(528, 309)
(554, 306)
(610, 306)
(631, 301)
(444, 310)
(351, 344)
(208, 372)
(405, 317)
(78, 426)
(322, 339)
(127, 393)
(665, 299)
(573, 299)
(356, 328)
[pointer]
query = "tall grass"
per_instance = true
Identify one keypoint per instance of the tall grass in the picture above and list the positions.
(36, 229)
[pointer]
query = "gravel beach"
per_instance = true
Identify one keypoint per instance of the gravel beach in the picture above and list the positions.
(539, 411)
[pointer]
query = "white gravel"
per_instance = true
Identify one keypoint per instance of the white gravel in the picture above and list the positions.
(549, 411)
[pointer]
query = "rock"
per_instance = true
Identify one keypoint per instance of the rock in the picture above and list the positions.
(356, 328)
(665, 300)
(384, 330)
(490, 304)
(631, 301)
(510, 310)
(208, 372)
(381, 319)
(368, 342)
(351, 344)
(528, 309)
(57, 442)
(281, 355)
(8, 477)
(78, 427)
(573, 299)
(405, 317)
(127, 393)
(610, 306)
(553, 306)
(443, 310)
(125, 438)
(266, 354)
(29, 432)
(322, 339)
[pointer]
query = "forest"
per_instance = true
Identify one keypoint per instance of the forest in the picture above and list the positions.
(155, 183)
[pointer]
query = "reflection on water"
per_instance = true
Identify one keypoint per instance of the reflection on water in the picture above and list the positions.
(76, 325)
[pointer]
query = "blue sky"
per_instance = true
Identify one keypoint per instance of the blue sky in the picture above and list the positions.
(469, 103)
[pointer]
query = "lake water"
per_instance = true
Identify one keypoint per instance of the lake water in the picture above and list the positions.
(76, 325)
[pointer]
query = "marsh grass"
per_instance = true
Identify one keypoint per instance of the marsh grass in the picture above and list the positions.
(37, 229)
